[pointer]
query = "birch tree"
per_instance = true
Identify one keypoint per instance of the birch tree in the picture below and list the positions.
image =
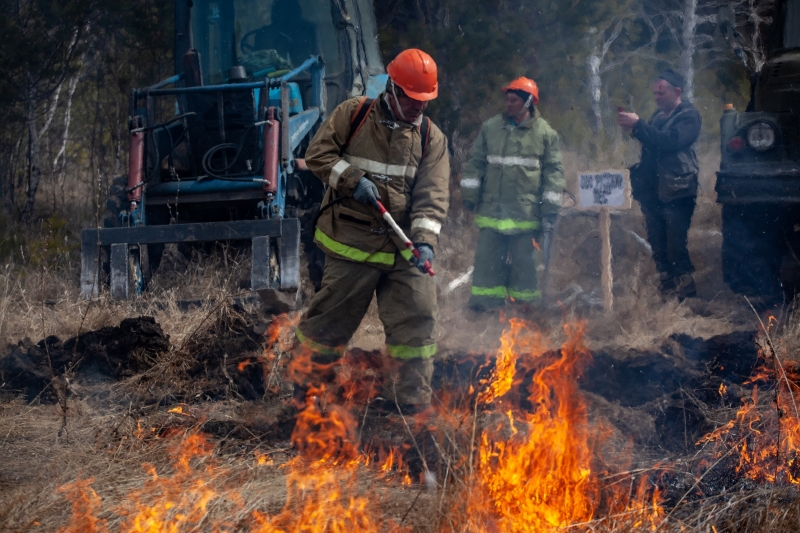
(690, 23)
(601, 41)
(742, 24)
(34, 132)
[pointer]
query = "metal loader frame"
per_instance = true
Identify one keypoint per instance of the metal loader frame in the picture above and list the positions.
(259, 232)
(281, 293)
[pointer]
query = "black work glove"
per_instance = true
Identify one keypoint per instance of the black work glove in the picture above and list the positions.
(425, 254)
(549, 222)
(367, 193)
(469, 206)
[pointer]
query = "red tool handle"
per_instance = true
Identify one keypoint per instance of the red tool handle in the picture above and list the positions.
(410, 245)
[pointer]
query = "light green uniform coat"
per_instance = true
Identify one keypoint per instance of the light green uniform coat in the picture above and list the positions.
(514, 177)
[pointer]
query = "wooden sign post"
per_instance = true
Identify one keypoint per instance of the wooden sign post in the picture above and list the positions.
(602, 191)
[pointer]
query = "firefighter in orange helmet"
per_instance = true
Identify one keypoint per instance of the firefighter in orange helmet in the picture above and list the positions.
(514, 181)
(369, 150)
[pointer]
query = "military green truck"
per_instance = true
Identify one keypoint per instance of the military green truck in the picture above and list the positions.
(758, 183)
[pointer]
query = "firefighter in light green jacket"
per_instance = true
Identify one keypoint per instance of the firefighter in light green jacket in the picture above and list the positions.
(514, 180)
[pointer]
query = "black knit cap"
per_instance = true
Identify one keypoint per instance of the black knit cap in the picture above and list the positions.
(672, 77)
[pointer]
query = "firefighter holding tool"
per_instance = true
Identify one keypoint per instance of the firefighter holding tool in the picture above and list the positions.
(387, 169)
(514, 180)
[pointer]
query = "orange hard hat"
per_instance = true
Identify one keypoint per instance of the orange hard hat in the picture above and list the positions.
(524, 84)
(414, 71)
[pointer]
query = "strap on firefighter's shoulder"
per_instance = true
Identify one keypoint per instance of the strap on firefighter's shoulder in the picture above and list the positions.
(363, 110)
(425, 135)
(359, 118)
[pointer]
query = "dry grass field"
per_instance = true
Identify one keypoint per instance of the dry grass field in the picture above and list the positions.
(174, 414)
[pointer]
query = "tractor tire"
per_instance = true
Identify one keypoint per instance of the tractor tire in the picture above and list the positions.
(149, 255)
(753, 247)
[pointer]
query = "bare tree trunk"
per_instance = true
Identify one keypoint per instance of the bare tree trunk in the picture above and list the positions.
(594, 64)
(689, 46)
(595, 89)
(9, 201)
(34, 168)
(51, 110)
(118, 143)
(61, 155)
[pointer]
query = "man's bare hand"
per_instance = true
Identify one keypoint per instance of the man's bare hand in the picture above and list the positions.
(627, 120)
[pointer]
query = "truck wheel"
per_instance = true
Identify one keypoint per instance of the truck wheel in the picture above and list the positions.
(149, 256)
(752, 251)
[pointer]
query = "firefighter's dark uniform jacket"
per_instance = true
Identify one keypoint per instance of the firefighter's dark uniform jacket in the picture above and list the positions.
(514, 177)
(363, 257)
(386, 151)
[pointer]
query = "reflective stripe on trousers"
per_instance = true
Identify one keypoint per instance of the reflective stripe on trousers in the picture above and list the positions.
(502, 292)
(314, 346)
(398, 351)
(505, 224)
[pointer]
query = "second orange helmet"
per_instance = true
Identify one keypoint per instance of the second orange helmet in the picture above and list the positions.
(524, 84)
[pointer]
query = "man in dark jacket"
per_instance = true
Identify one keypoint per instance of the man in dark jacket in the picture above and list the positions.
(665, 180)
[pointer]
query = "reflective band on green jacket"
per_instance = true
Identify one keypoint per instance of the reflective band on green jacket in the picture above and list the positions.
(354, 254)
(398, 351)
(317, 347)
(524, 296)
(494, 292)
(506, 224)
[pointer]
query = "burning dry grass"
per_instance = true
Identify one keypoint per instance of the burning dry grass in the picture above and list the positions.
(519, 456)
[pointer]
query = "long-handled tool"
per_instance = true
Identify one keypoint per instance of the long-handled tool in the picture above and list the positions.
(408, 244)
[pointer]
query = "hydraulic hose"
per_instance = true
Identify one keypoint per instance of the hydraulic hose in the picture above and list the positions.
(217, 172)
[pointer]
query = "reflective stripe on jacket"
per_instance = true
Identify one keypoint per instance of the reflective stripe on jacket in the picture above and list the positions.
(514, 174)
(388, 153)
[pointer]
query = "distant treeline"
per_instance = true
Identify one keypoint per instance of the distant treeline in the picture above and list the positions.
(69, 67)
(588, 57)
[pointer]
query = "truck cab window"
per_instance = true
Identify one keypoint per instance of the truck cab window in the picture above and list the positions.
(263, 36)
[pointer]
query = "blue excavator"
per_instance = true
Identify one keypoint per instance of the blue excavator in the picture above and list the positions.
(216, 151)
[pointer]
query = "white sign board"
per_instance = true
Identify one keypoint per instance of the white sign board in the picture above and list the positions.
(602, 189)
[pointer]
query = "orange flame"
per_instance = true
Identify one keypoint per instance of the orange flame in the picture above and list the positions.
(264, 460)
(85, 506)
(541, 478)
(531, 473)
(764, 438)
(502, 377)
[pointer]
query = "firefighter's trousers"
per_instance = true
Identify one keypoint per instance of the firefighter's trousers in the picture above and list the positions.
(505, 267)
(406, 306)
